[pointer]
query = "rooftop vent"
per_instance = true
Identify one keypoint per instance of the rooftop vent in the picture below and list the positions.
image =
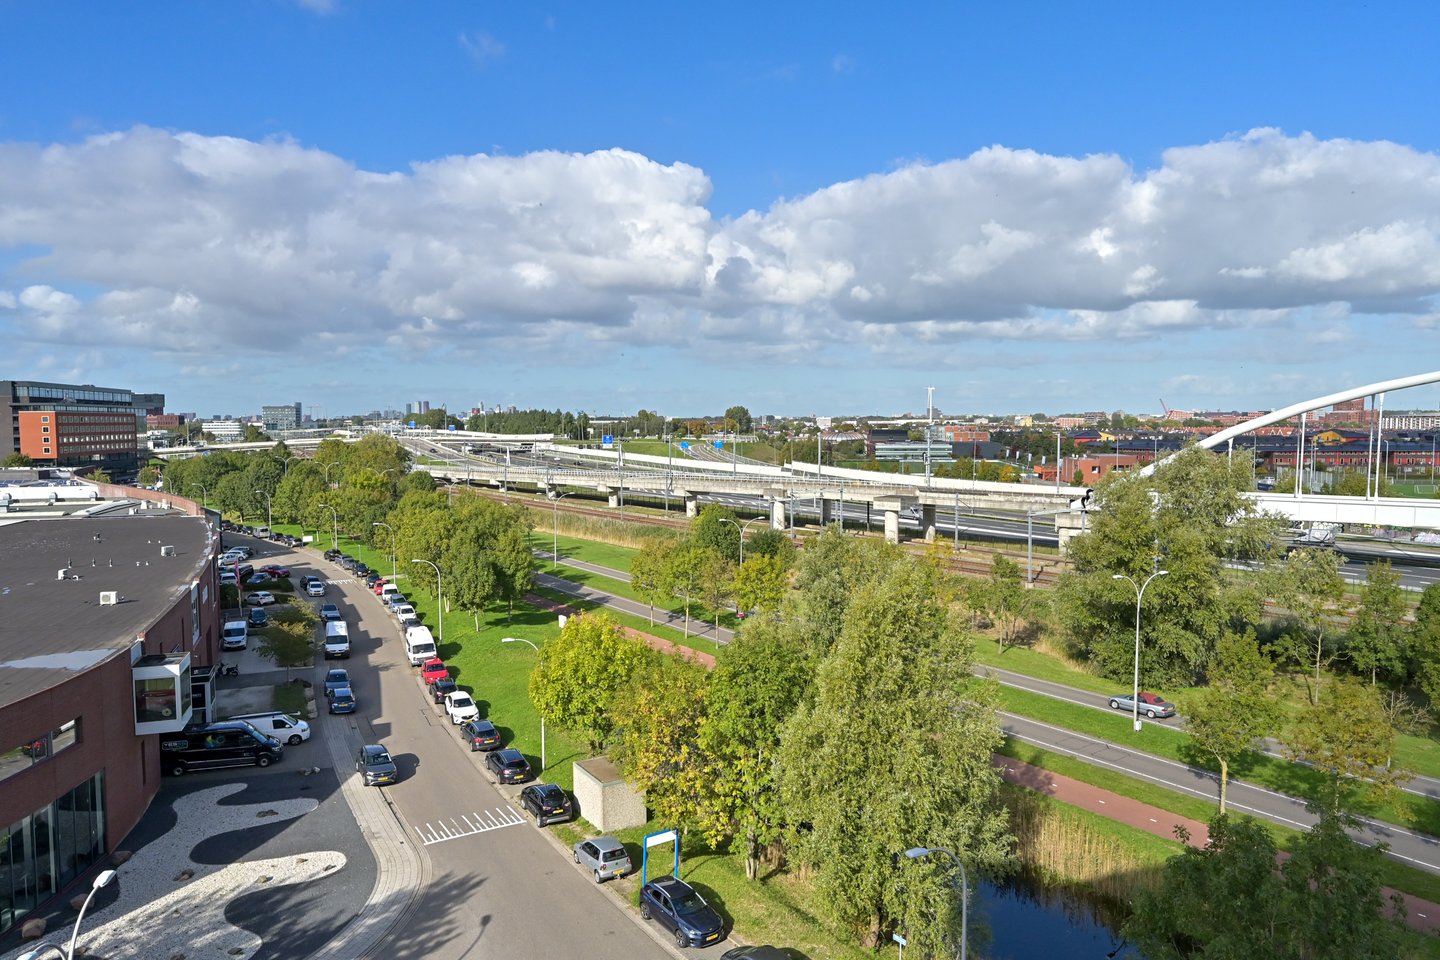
(62, 573)
(108, 598)
(167, 551)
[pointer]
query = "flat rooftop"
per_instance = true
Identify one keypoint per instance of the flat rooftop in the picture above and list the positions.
(50, 628)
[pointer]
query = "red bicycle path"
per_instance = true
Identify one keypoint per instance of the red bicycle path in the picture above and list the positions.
(1422, 915)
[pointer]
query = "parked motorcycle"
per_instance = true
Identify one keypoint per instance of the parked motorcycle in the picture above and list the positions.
(229, 669)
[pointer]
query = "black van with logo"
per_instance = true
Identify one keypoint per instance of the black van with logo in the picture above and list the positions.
(229, 744)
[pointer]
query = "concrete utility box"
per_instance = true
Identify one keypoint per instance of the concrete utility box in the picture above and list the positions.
(605, 799)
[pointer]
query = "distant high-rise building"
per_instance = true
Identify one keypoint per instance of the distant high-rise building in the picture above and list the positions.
(285, 416)
(422, 406)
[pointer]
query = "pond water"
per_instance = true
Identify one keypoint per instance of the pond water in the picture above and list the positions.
(1019, 921)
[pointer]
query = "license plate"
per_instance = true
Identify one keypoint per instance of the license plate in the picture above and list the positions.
(713, 936)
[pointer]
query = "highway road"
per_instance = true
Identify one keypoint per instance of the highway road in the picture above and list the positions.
(497, 888)
(1414, 848)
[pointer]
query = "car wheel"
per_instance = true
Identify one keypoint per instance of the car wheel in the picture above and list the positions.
(294, 739)
(1150, 714)
(539, 820)
(644, 910)
(262, 761)
(598, 877)
(575, 857)
(1114, 704)
(681, 940)
(177, 769)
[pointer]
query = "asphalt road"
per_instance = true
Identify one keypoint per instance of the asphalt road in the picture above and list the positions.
(498, 888)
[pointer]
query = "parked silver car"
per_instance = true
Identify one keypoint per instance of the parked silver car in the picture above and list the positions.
(604, 857)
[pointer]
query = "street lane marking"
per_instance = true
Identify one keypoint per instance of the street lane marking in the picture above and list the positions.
(469, 825)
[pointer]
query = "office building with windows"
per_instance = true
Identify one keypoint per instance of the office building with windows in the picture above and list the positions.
(285, 416)
(71, 425)
(111, 627)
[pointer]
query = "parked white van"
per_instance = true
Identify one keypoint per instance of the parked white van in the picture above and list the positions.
(337, 639)
(419, 645)
(233, 635)
(281, 726)
(388, 591)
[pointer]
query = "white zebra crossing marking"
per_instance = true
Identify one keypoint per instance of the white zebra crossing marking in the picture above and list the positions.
(469, 825)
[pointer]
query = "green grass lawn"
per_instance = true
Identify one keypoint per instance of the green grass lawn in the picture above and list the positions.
(1041, 666)
(590, 551)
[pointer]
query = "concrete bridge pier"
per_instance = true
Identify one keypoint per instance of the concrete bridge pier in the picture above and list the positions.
(927, 522)
(1070, 525)
(612, 495)
(777, 512)
(827, 512)
(692, 505)
(891, 507)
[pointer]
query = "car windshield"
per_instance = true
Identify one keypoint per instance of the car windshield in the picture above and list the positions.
(687, 903)
(377, 758)
(460, 700)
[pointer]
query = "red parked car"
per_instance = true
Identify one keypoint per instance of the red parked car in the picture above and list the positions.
(433, 669)
(378, 584)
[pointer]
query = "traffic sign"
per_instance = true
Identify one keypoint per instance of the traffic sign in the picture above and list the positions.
(607, 441)
(452, 428)
(719, 444)
(412, 423)
(684, 445)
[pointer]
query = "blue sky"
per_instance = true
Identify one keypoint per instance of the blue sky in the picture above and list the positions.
(802, 208)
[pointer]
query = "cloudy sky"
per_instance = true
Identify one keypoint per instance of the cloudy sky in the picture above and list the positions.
(799, 207)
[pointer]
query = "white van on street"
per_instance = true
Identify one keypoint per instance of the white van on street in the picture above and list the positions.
(419, 645)
(337, 640)
(279, 725)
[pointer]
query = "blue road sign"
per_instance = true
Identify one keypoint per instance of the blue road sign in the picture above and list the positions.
(684, 445)
(607, 441)
(412, 423)
(719, 444)
(452, 428)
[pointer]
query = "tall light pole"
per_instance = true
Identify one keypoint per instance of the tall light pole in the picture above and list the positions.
(335, 533)
(285, 461)
(204, 495)
(555, 528)
(103, 879)
(915, 853)
(542, 716)
(741, 528)
(1139, 596)
(327, 471)
(269, 515)
(394, 574)
(439, 597)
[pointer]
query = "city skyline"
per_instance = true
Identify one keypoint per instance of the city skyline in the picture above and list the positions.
(1044, 210)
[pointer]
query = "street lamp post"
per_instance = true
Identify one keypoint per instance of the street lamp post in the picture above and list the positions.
(103, 879)
(741, 528)
(269, 514)
(204, 495)
(285, 461)
(335, 532)
(914, 853)
(394, 574)
(439, 597)
(1139, 596)
(542, 716)
(555, 528)
(327, 471)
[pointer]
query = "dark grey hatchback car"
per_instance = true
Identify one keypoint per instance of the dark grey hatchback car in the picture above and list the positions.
(674, 904)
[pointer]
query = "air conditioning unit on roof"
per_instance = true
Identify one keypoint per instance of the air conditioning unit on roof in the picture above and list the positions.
(109, 598)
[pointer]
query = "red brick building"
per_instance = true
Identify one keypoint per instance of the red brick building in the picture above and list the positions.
(77, 438)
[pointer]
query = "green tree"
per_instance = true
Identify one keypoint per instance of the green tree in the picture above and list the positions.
(686, 563)
(740, 418)
(1191, 514)
(715, 529)
(515, 565)
(769, 542)
(581, 673)
(288, 642)
(717, 583)
(148, 476)
(1347, 737)
(648, 573)
(657, 737)
(759, 680)
(17, 460)
(1423, 641)
(1227, 718)
(1376, 641)
(920, 773)
(760, 583)
(1309, 587)
(1228, 900)
(832, 570)
(253, 434)
(1006, 599)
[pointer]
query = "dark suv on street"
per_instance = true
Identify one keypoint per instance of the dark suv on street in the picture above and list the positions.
(508, 766)
(546, 802)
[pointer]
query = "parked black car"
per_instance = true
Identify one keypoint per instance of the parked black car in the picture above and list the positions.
(370, 578)
(332, 554)
(546, 802)
(674, 904)
(441, 687)
(480, 734)
(375, 766)
(508, 766)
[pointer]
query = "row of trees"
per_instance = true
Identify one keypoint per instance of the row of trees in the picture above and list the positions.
(841, 730)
